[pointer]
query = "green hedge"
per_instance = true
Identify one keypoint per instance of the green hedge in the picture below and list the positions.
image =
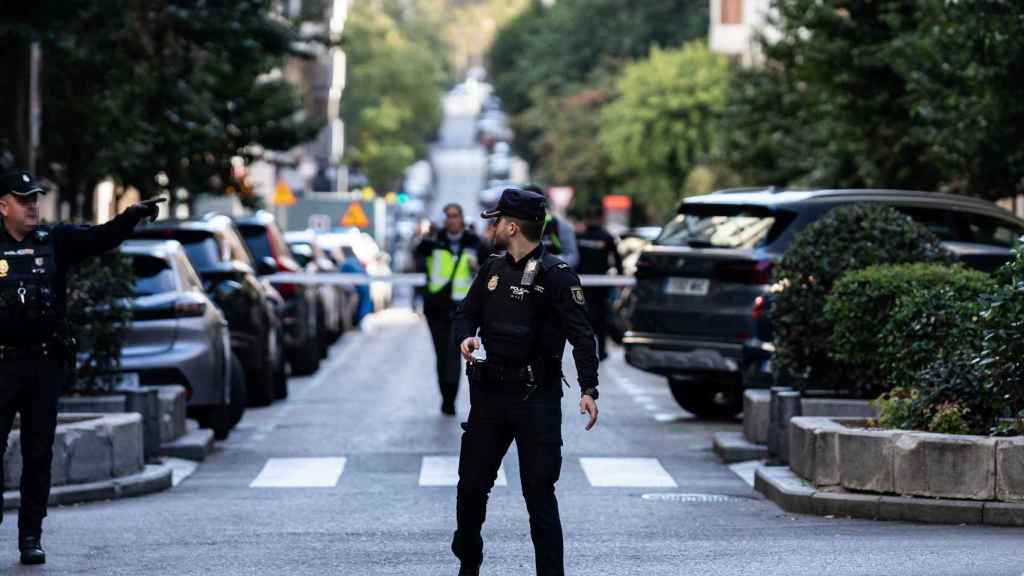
(847, 238)
(890, 322)
(1002, 353)
(99, 311)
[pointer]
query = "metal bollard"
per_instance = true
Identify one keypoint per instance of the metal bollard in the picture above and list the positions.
(773, 420)
(790, 406)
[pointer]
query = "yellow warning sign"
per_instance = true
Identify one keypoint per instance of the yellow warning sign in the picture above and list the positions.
(355, 216)
(283, 195)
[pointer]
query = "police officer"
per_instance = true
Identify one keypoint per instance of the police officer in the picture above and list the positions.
(34, 263)
(525, 304)
(450, 262)
(557, 235)
(598, 253)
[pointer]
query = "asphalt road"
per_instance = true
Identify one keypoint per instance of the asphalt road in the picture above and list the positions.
(375, 405)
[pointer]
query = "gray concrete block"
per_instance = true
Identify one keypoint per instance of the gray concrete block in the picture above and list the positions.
(59, 464)
(12, 462)
(945, 466)
(125, 434)
(153, 478)
(196, 445)
(844, 504)
(106, 404)
(1010, 469)
(780, 485)
(733, 447)
(931, 511)
(90, 455)
(814, 450)
(801, 446)
(866, 459)
(172, 413)
(840, 408)
(1004, 514)
(756, 414)
(826, 455)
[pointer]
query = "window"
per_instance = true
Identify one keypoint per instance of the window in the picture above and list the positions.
(202, 251)
(152, 276)
(722, 226)
(732, 11)
(940, 222)
(991, 230)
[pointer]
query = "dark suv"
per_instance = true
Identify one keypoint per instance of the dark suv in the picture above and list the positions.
(226, 268)
(301, 328)
(697, 313)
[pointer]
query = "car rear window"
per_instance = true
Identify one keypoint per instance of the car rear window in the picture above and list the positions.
(994, 231)
(152, 276)
(256, 239)
(723, 226)
(203, 252)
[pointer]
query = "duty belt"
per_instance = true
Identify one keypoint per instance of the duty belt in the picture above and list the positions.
(15, 353)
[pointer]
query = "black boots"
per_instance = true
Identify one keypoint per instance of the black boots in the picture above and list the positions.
(448, 408)
(32, 550)
(468, 570)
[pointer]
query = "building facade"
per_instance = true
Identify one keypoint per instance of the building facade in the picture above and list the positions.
(734, 28)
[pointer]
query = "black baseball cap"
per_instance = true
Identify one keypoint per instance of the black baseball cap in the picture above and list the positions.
(20, 183)
(519, 203)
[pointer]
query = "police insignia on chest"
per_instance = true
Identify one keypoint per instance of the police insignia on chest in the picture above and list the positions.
(492, 283)
(4, 268)
(518, 293)
(530, 272)
(577, 295)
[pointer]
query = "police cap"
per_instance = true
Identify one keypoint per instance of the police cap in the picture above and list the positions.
(19, 183)
(519, 203)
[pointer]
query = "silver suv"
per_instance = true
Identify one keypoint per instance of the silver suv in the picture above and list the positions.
(699, 299)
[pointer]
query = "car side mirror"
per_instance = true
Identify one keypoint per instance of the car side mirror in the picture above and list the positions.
(266, 266)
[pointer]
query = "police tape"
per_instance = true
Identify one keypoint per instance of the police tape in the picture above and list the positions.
(344, 279)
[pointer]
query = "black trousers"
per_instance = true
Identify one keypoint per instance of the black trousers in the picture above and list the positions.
(597, 306)
(31, 388)
(536, 426)
(449, 361)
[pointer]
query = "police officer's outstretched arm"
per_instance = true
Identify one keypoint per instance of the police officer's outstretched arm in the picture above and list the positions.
(467, 315)
(571, 307)
(79, 243)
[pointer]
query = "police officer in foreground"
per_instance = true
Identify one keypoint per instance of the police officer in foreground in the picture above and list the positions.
(598, 253)
(525, 304)
(450, 259)
(34, 340)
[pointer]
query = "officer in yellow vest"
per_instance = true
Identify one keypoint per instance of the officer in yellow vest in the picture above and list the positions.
(451, 260)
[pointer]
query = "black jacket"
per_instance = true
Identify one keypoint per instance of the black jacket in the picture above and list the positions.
(503, 302)
(598, 251)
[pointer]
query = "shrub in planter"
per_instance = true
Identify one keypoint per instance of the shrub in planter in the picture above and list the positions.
(890, 322)
(1002, 353)
(99, 312)
(847, 238)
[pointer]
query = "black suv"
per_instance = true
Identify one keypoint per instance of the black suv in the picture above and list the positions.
(216, 251)
(301, 327)
(697, 313)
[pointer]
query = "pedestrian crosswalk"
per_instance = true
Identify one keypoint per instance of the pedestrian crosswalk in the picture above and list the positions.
(443, 471)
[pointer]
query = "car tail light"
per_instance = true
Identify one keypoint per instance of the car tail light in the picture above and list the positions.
(759, 308)
(287, 290)
(751, 272)
(189, 309)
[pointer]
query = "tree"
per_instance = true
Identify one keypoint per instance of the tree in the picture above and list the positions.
(392, 103)
(662, 124)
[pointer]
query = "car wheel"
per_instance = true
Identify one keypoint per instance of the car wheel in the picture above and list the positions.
(261, 382)
(238, 393)
(305, 359)
(706, 399)
(280, 377)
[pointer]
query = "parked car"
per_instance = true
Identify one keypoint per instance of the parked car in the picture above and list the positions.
(178, 336)
(217, 252)
(332, 299)
(272, 255)
(697, 313)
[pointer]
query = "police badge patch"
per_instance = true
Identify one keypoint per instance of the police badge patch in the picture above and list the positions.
(492, 283)
(4, 268)
(577, 295)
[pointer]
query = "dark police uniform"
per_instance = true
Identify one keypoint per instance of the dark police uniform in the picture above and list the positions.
(598, 252)
(525, 311)
(33, 333)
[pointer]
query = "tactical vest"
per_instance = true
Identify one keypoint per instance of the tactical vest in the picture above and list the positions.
(28, 301)
(518, 338)
(442, 267)
(549, 237)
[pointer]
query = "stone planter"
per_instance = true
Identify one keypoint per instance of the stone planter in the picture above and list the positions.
(87, 448)
(826, 452)
(756, 415)
(162, 409)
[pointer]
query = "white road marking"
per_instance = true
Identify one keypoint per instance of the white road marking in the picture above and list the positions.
(745, 470)
(644, 399)
(444, 471)
(651, 407)
(300, 473)
(626, 473)
(669, 416)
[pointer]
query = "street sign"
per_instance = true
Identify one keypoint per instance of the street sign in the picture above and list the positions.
(283, 195)
(355, 216)
(319, 222)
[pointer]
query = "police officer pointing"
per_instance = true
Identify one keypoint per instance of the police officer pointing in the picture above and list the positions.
(34, 263)
(526, 304)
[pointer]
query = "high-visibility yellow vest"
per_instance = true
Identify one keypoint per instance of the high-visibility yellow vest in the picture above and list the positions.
(440, 265)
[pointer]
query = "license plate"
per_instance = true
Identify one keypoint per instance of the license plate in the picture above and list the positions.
(688, 286)
(127, 381)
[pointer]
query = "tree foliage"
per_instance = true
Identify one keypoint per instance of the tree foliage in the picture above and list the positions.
(663, 122)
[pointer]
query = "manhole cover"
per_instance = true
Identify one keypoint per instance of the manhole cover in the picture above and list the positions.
(702, 498)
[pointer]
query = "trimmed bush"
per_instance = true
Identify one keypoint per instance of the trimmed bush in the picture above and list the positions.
(1002, 353)
(847, 238)
(99, 311)
(890, 322)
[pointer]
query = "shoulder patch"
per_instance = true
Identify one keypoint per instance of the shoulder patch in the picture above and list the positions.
(577, 295)
(563, 266)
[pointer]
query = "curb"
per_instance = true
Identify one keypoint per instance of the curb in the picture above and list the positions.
(791, 493)
(152, 479)
(733, 447)
(195, 445)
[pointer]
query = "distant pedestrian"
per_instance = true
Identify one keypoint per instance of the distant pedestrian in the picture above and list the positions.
(526, 304)
(599, 253)
(451, 259)
(557, 235)
(34, 340)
